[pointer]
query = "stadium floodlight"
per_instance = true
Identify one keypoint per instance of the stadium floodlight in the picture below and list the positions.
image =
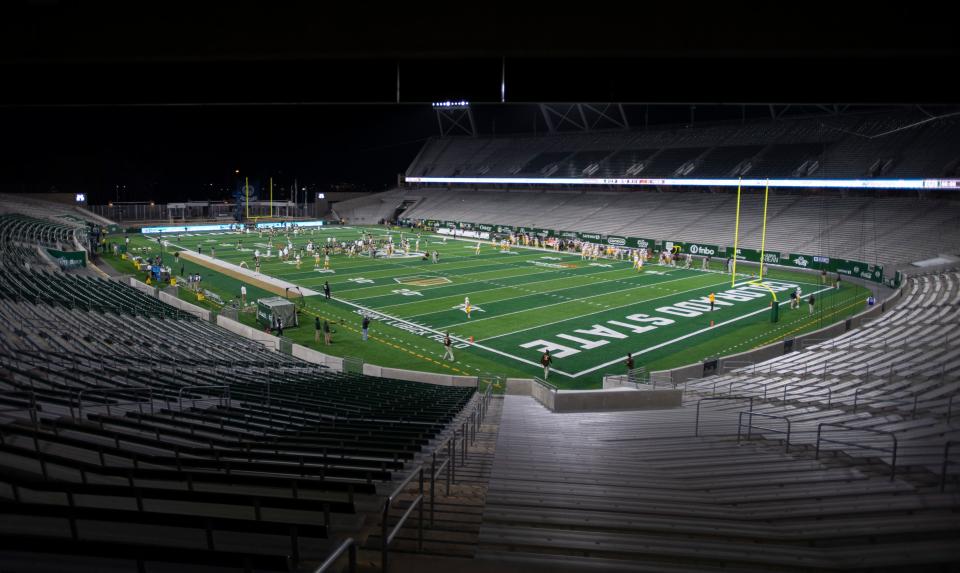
(929, 184)
(448, 104)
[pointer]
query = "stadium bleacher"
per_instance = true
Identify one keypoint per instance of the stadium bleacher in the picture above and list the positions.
(131, 434)
(889, 230)
(846, 146)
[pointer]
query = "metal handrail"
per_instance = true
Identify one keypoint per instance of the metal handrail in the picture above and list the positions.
(946, 461)
(545, 384)
(348, 545)
(893, 436)
(750, 425)
(180, 393)
(882, 398)
(88, 391)
(389, 533)
(828, 389)
(696, 426)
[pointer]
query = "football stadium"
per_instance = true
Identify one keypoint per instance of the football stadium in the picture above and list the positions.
(654, 334)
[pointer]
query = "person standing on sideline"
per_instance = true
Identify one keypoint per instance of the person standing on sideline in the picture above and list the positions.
(279, 327)
(326, 333)
(448, 348)
(316, 329)
(729, 265)
(365, 325)
(712, 300)
(836, 283)
(477, 250)
(326, 290)
(810, 302)
(793, 299)
(243, 295)
(629, 364)
(466, 306)
(545, 361)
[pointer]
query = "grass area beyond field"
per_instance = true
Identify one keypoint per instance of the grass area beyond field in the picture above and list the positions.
(589, 313)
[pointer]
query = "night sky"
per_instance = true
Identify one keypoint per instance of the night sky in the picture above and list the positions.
(168, 99)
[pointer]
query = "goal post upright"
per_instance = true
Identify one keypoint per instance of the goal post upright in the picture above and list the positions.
(763, 234)
(736, 238)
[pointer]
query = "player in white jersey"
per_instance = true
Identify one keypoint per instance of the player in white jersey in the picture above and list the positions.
(477, 250)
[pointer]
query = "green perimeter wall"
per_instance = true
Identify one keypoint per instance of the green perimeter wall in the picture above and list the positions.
(847, 267)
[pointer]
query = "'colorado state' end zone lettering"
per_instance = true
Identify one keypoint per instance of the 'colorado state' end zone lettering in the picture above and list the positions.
(634, 324)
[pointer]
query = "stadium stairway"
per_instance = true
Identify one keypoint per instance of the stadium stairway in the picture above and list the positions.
(451, 531)
(638, 491)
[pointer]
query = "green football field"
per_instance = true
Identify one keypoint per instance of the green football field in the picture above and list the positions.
(590, 314)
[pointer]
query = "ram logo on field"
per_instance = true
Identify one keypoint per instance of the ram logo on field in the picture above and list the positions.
(800, 262)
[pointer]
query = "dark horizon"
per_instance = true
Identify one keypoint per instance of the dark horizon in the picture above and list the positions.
(169, 99)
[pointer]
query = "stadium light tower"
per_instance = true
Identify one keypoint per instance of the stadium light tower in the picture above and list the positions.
(455, 118)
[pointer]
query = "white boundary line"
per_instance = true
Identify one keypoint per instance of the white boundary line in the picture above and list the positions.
(456, 338)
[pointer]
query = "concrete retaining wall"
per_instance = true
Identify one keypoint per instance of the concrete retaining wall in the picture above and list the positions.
(143, 287)
(594, 400)
(185, 306)
(544, 395)
(268, 340)
(417, 376)
(334, 363)
(580, 401)
(519, 386)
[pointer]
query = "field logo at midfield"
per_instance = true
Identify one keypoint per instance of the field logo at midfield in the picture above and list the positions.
(422, 281)
(361, 280)
(551, 258)
(604, 265)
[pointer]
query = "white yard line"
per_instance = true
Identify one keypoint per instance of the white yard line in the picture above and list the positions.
(590, 313)
(500, 286)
